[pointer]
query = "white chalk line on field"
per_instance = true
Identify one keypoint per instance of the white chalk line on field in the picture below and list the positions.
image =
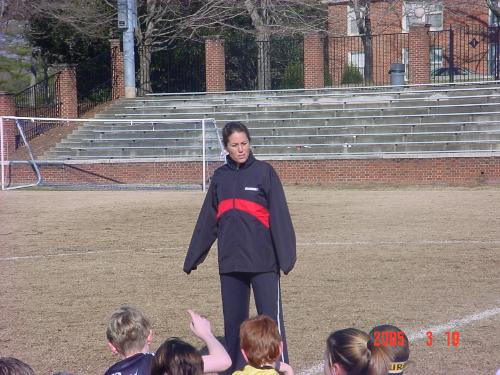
(77, 253)
(320, 243)
(422, 242)
(422, 333)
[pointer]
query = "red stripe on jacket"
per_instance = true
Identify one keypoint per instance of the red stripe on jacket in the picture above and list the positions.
(252, 208)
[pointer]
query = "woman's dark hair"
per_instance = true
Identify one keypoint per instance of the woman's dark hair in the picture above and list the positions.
(354, 351)
(14, 366)
(234, 127)
(177, 357)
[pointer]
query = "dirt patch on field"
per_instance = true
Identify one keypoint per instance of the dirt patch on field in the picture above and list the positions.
(416, 258)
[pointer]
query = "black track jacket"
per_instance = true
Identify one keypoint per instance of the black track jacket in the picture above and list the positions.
(246, 210)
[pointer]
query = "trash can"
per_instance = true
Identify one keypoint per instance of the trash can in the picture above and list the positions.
(397, 73)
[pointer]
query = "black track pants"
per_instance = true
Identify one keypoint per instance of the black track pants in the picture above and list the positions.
(235, 290)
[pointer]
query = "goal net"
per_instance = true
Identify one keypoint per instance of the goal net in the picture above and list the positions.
(115, 153)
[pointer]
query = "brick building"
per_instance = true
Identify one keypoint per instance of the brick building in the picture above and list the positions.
(462, 34)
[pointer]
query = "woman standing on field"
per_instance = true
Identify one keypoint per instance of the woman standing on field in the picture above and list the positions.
(246, 210)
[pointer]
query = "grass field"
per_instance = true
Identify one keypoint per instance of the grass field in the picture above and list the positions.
(424, 259)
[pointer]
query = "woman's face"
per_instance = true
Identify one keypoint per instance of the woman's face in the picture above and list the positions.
(238, 147)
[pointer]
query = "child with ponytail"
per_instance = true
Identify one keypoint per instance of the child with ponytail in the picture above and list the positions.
(350, 351)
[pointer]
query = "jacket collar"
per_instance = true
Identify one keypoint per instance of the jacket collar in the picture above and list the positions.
(233, 165)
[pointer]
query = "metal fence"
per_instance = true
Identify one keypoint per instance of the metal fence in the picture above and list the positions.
(39, 100)
(252, 64)
(94, 82)
(178, 68)
(353, 61)
(462, 54)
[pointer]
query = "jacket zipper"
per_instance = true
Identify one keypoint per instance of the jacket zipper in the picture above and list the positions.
(234, 187)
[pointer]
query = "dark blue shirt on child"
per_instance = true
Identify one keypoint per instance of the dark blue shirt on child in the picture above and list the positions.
(138, 364)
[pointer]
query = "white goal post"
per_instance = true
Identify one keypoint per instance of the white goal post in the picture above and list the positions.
(207, 124)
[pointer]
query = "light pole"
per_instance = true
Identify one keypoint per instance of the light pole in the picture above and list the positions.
(127, 19)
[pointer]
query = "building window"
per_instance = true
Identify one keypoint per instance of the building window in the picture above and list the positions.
(493, 60)
(357, 59)
(436, 58)
(421, 13)
(352, 26)
(405, 60)
(493, 19)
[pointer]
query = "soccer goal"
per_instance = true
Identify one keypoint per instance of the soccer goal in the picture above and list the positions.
(38, 151)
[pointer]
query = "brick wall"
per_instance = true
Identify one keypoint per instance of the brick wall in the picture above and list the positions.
(465, 12)
(7, 108)
(418, 55)
(386, 17)
(337, 19)
(67, 91)
(313, 61)
(215, 68)
(338, 172)
(117, 69)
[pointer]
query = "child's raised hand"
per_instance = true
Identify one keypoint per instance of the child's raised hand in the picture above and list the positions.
(200, 326)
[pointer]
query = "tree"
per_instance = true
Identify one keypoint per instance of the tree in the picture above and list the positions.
(157, 24)
(361, 10)
(15, 61)
(15, 52)
(268, 18)
(161, 22)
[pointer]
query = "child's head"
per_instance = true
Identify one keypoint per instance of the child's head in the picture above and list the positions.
(129, 331)
(14, 366)
(176, 357)
(260, 341)
(397, 345)
(350, 351)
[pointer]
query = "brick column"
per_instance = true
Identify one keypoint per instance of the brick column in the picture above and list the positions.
(215, 64)
(418, 54)
(117, 70)
(8, 108)
(314, 71)
(67, 91)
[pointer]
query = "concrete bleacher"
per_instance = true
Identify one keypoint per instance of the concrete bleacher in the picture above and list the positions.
(364, 122)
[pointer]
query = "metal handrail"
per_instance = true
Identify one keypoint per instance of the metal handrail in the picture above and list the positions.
(350, 90)
(302, 103)
(349, 117)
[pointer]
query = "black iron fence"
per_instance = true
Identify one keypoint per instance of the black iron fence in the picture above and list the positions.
(461, 54)
(357, 61)
(39, 100)
(94, 82)
(178, 68)
(252, 64)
